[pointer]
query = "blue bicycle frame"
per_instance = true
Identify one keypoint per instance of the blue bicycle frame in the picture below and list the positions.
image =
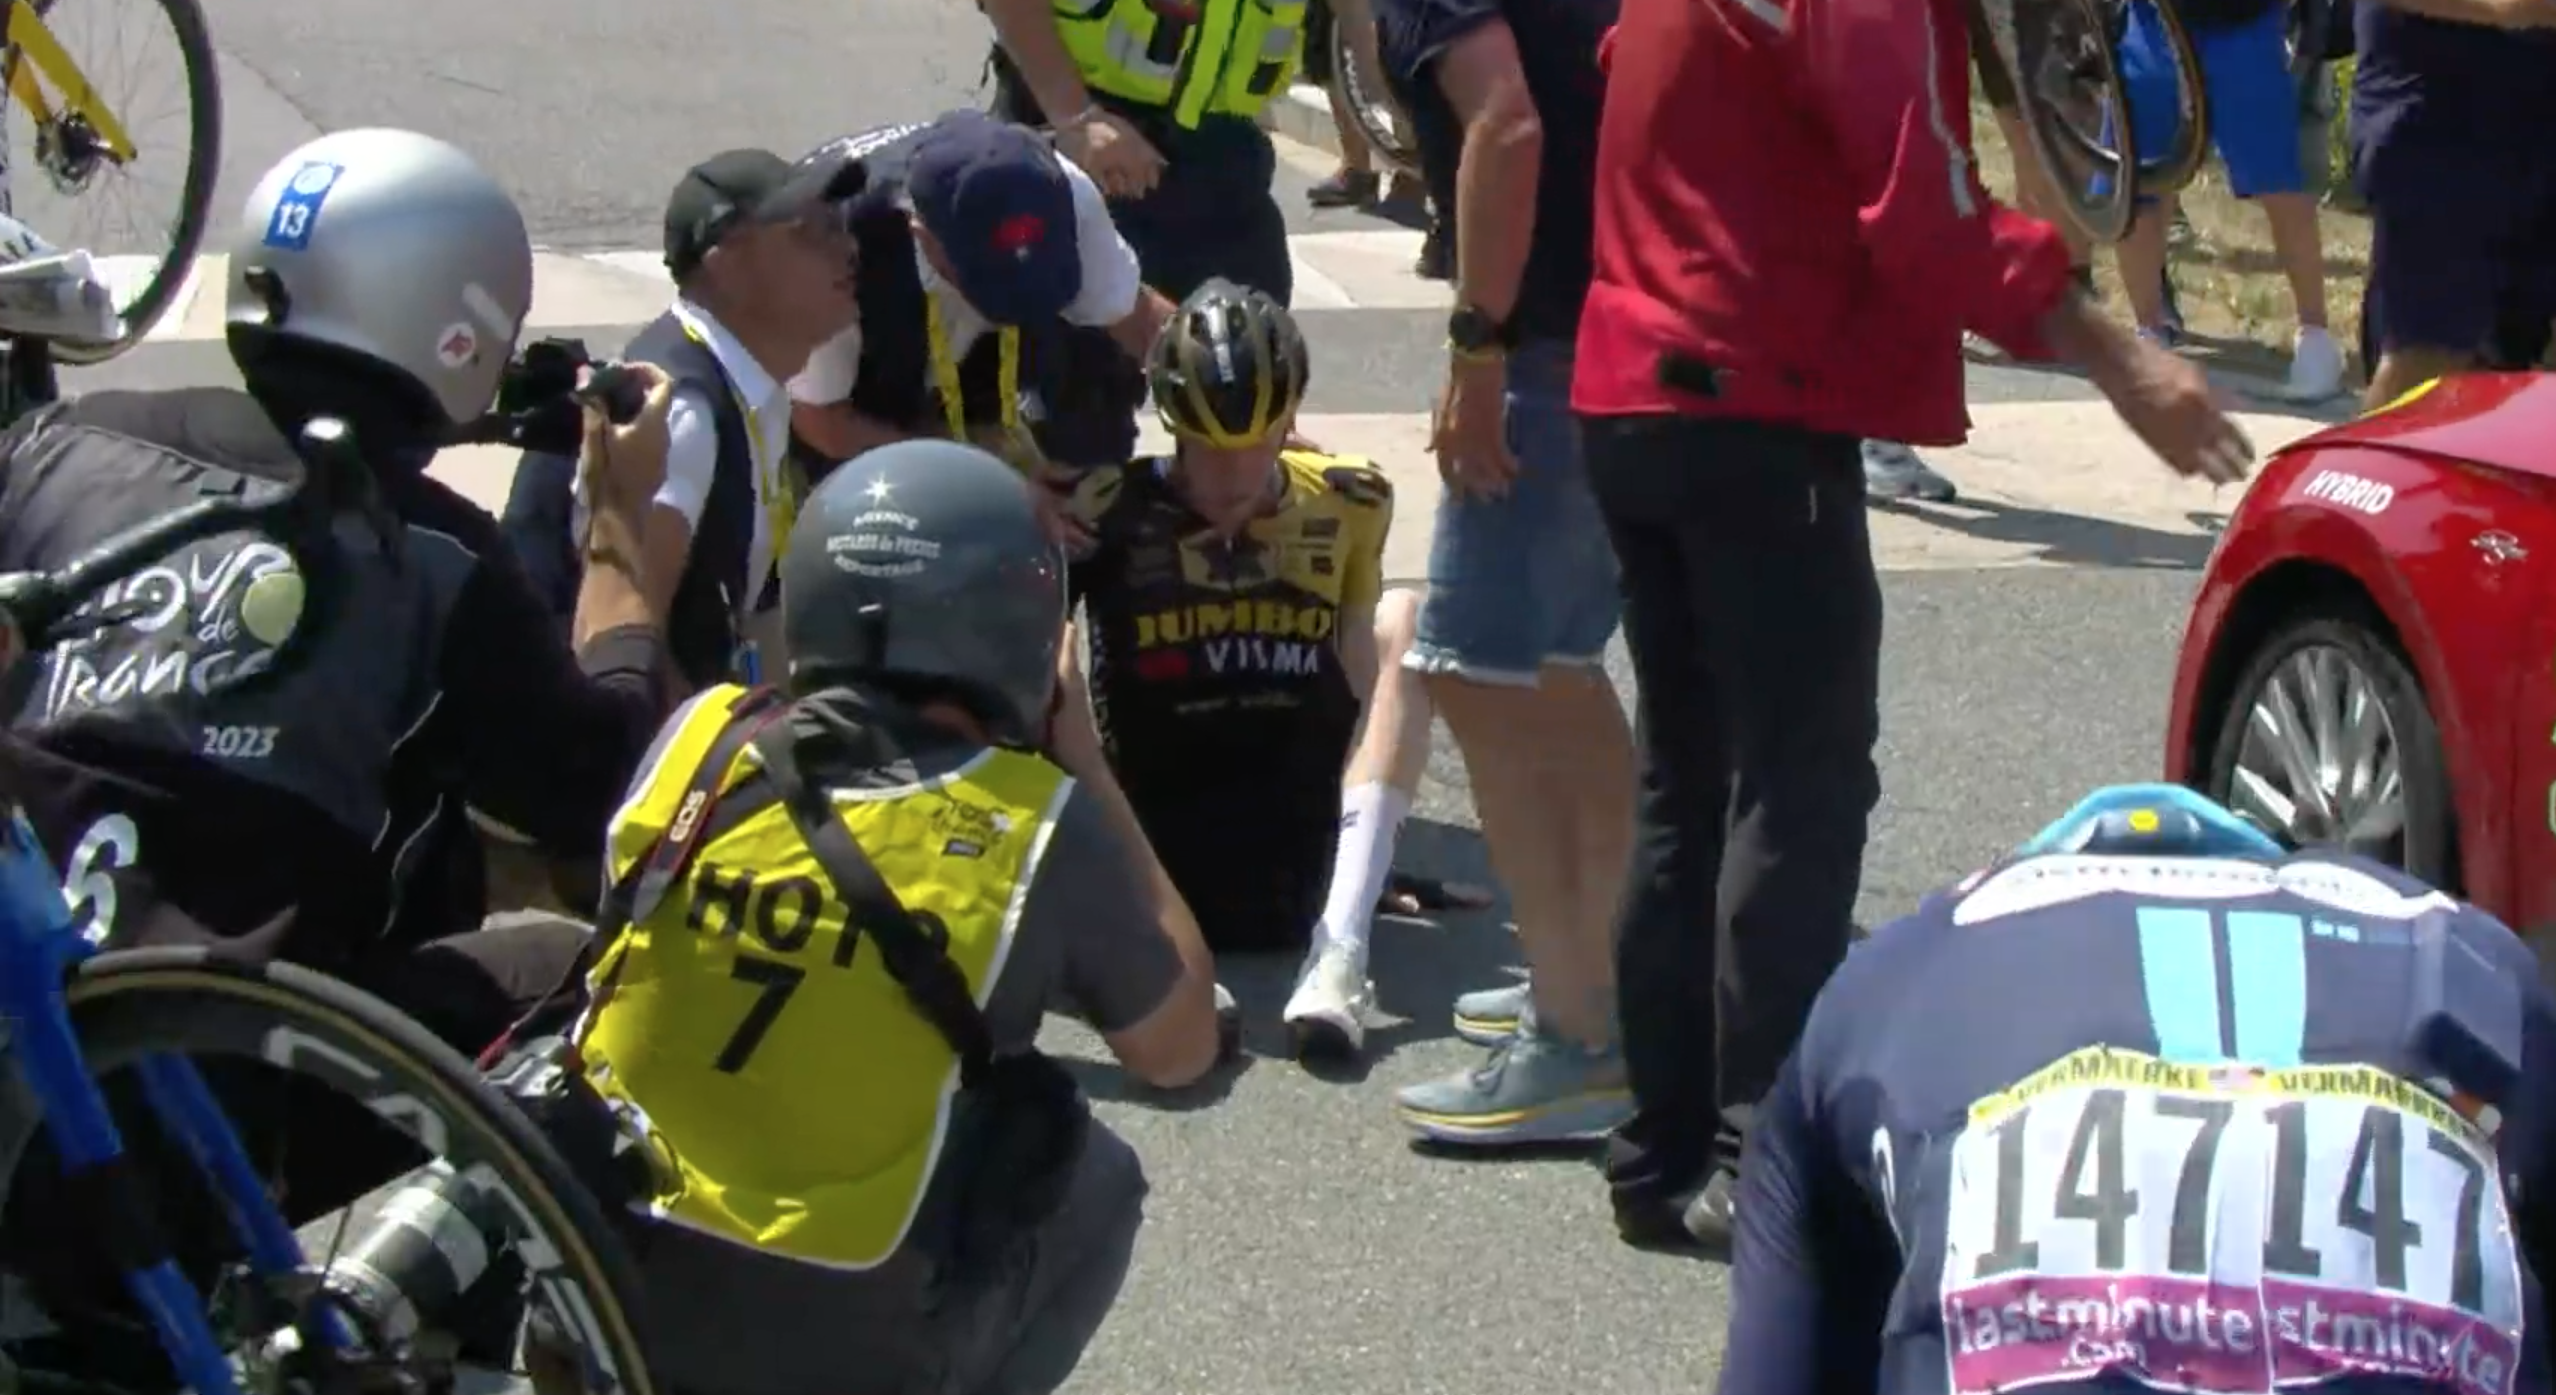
(39, 947)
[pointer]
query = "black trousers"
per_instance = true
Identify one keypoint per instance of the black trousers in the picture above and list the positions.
(1754, 617)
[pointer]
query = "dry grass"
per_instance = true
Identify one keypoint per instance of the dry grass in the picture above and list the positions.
(2235, 300)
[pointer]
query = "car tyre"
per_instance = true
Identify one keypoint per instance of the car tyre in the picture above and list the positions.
(2428, 845)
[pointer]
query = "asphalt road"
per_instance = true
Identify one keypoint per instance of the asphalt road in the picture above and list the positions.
(1297, 1244)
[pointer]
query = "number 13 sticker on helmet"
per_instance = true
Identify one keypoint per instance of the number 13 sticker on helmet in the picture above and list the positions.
(297, 209)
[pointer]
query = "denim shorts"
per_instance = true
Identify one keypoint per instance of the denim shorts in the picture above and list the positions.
(1527, 580)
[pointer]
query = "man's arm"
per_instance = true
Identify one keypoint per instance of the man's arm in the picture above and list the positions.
(1114, 295)
(665, 540)
(554, 735)
(1943, 251)
(1027, 31)
(1475, 58)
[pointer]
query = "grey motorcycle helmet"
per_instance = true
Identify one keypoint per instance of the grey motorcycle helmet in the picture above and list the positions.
(393, 247)
(920, 568)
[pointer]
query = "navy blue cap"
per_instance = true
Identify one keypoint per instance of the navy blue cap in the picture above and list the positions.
(996, 198)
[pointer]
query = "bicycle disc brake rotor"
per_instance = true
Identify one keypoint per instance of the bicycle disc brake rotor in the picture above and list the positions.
(2075, 106)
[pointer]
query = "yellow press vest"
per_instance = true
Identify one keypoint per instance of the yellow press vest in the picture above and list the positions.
(794, 1099)
(1229, 61)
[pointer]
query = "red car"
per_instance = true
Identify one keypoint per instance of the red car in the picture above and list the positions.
(2372, 656)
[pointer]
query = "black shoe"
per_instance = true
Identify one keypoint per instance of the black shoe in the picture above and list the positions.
(1692, 1222)
(1347, 189)
(1437, 259)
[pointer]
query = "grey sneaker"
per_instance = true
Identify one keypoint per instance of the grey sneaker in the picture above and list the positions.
(1536, 1088)
(1893, 471)
(1490, 1016)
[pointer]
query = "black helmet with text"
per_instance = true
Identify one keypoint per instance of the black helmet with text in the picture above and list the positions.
(920, 569)
(1230, 369)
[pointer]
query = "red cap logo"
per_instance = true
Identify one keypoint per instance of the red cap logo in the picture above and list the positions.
(1019, 233)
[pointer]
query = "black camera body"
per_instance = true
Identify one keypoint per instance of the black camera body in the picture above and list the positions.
(542, 395)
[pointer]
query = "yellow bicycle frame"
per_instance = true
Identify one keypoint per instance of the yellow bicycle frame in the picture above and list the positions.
(32, 50)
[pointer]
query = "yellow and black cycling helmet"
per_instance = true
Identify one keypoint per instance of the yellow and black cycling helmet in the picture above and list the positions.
(1229, 368)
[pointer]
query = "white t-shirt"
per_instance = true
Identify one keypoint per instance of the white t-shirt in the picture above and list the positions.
(692, 443)
(1111, 283)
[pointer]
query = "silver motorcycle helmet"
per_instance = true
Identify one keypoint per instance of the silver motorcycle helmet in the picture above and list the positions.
(393, 247)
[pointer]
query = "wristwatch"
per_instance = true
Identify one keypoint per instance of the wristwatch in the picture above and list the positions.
(1471, 330)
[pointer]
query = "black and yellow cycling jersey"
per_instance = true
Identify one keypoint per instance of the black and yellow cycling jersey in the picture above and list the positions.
(1217, 676)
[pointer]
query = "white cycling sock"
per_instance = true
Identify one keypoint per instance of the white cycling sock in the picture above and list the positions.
(1370, 818)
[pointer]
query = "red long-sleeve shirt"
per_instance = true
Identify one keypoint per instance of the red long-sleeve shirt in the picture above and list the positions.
(1790, 223)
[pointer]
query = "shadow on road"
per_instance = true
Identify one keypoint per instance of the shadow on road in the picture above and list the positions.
(1420, 965)
(2068, 538)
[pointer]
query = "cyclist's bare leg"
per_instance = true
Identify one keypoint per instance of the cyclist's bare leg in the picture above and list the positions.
(1377, 787)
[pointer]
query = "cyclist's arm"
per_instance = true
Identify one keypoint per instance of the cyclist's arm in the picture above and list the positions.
(1799, 1324)
(1027, 30)
(1362, 583)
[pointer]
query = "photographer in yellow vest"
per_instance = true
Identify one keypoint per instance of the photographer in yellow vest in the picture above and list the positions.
(1159, 100)
(835, 920)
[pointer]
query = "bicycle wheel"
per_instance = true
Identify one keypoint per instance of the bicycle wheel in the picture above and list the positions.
(1362, 93)
(185, 1002)
(64, 168)
(2074, 104)
(2167, 171)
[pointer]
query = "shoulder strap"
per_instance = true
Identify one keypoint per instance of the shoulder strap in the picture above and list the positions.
(635, 894)
(912, 954)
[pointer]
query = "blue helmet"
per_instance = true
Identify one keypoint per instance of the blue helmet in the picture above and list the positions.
(2152, 821)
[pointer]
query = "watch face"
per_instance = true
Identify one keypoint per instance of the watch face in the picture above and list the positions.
(1469, 328)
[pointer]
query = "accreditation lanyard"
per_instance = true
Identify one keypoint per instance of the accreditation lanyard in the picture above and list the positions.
(1007, 381)
(774, 490)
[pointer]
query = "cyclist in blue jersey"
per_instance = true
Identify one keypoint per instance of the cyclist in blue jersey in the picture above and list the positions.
(2245, 1120)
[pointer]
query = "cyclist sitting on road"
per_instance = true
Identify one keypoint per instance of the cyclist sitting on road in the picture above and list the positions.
(980, 250)
(379, 277)
(867, 1178)
(2227, 1120)
(1238, 632)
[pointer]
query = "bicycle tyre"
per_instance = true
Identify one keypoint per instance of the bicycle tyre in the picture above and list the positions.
(195, 208)
(193, 1002)
(2173, 170)
(1373, 111)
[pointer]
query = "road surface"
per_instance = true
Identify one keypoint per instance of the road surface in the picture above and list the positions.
(1296, 1243)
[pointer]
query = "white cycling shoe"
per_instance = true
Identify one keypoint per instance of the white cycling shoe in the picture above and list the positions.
(1327, 1014)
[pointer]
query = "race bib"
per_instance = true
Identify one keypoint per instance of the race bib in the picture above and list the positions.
(2225, 1228)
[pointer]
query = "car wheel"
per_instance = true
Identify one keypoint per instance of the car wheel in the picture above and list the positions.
(2327, 740)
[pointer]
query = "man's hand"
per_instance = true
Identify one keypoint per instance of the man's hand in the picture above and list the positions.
(623, 463)
(1109, 148)
(1469, 433)
(2167, 400)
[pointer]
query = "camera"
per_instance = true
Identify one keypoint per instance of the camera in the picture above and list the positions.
(540, 403)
